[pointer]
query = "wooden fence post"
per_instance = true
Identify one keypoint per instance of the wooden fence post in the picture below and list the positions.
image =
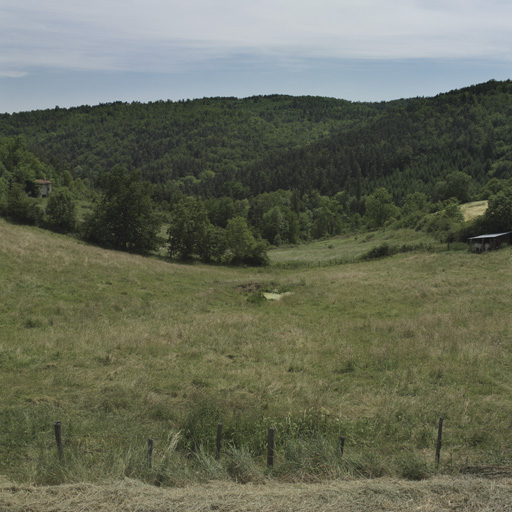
(57, 427)
(271, 445)
(219, 441)
(342, 444)
(439, 441)
(150, 452)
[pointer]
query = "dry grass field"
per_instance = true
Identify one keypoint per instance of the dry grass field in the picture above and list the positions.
(438, 494)
(474, 209)
(122, 348)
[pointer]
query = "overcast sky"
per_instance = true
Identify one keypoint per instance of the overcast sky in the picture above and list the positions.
(74, 52)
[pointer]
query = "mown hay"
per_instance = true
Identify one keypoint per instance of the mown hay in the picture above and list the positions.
(436, 494)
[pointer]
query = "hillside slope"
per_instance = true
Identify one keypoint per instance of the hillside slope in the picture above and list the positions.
(120, 348)
(227, 146)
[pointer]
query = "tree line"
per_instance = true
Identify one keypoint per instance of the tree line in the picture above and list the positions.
(267, 170)
(240, 148)
(238, 232)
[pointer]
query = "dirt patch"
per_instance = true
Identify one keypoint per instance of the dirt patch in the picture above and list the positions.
(250, 287)
(434, 495)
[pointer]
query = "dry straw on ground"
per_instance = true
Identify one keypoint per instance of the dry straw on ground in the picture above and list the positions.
(474, 209)
(434, 495)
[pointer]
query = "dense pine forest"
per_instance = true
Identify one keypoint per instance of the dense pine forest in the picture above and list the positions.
(267, 169)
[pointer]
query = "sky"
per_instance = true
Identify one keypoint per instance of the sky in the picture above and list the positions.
(72, 52)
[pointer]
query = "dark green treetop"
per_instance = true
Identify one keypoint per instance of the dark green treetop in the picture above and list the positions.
(125, 216)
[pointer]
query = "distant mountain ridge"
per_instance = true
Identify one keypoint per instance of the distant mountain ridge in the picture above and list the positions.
(214, 147)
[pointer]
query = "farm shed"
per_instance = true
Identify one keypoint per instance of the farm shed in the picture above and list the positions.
(489, 242)
(45, 187)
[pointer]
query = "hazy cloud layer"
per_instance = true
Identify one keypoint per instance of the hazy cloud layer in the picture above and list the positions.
(72, 52)
(169, 35)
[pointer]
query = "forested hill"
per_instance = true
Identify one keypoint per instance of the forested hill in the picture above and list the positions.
(243, 147)
(408, 146)
(201, 144)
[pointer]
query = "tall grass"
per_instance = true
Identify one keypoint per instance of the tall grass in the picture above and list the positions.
(122, 348)
(349, 248)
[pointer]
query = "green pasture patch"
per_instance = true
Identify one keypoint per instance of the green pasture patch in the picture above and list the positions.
(122, 348)
(348, 248)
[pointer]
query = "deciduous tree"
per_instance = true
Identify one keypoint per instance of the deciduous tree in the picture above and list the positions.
(241, 246)
(498, 216)
(22, 208)
(189, 229)
(125, 217)
(61, 210)
(380, 208)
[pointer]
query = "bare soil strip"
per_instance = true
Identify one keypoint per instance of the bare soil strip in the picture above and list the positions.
(434, 495)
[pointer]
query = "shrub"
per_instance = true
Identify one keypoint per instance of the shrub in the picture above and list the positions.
(61, 211)
(381, 251)
(21, 208)
(242, 248)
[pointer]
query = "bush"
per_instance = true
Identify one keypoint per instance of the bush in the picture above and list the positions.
(242, 248)
(21, 208)
(60, 211)
(381, 251)
(498, 216)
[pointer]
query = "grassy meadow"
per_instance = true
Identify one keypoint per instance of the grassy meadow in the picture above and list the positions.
(122, 348)
(348, 248)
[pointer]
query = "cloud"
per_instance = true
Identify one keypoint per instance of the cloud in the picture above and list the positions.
(172, 35)
(13, 74)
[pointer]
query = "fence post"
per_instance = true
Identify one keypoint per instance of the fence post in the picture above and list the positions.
(439, 441)
(342, 444)
(271, 445)
(57, 427)
(219, 441)
(150, 452)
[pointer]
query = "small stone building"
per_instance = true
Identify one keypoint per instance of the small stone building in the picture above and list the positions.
(45, 187)
(489, 242)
